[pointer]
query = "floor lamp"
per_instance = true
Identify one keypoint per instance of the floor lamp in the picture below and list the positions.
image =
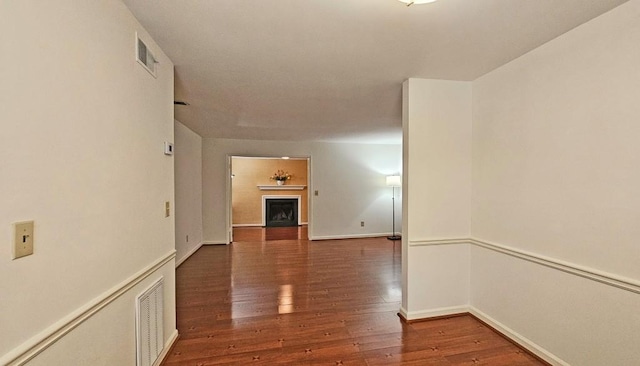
(394, 181)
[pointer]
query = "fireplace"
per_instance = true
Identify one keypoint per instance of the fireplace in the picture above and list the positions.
(281, 211)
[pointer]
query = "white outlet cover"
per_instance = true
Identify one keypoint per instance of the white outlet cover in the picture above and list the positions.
(168, 148)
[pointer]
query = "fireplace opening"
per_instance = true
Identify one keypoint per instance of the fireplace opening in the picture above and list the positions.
(281, 212)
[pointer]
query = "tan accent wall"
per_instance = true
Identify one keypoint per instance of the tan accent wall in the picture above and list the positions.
(248, 173)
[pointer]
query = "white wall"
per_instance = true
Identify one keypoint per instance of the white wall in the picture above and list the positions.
(350, 179)
(555, 175)
(83, 127)
(438, 138)
(437, 165)
(188, 183)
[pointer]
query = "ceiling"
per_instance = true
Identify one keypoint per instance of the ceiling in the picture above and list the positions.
(331, 70)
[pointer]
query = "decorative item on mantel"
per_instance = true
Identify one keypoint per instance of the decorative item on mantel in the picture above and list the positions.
(280, 177)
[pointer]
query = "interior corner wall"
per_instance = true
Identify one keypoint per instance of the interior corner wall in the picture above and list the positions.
(188, 183)
(555, 176)
(437, 164)
(83, 127)
(341, 173)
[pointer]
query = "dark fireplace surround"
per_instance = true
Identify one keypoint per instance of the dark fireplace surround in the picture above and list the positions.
(281, 212)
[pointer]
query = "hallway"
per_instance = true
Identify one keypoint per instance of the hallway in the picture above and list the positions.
(295, 302)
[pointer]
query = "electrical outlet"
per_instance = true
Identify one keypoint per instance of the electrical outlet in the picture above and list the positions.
(187, 238)
(22, 239)
(361, 223)
(315, 193)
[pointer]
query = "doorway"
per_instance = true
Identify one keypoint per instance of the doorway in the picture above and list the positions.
(252, 183)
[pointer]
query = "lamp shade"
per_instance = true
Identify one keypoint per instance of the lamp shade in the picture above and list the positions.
(394, 181)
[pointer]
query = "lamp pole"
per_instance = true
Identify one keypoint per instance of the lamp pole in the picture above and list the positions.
(393, 217)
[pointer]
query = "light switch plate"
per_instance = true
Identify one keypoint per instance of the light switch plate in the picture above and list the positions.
(22, 239)
(167, 209)
(168, 148)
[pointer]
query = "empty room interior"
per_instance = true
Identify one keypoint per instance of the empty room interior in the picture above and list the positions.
(321, 171)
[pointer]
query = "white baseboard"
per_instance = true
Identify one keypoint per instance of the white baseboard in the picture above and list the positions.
(506, 331)
(517, 338)
(167, 346)
(189, 254)
(260, 225)
(431, 313)
(349, 236)
(214, 243)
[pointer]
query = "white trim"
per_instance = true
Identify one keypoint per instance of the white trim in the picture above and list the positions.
(265, 197)
(214, 243)
(606, 278)
(519, 339)
(433, 242)
(43, 340)
(415, 315)
(263, 157)
(285, 187)
(349, 236)
(260, 225)
(568, 267)
(189, 254)
(403, 312)
(167, 346)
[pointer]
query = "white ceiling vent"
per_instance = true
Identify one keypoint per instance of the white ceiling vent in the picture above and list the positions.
(145, 57)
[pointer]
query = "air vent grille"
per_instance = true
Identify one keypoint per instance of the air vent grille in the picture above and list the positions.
(149, 324)
(145, 57)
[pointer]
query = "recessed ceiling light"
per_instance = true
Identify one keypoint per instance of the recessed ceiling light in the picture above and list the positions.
(417, 2)
(285, 157)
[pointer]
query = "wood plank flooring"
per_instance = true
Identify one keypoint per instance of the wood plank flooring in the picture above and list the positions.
(295, 302)
(267, 234)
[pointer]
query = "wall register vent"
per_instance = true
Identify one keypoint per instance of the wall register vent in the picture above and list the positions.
(145, 57)
(149, 324)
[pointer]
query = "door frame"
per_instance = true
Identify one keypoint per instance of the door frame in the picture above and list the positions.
(229, 191)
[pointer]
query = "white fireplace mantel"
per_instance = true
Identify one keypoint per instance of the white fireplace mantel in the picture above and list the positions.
(285, 187)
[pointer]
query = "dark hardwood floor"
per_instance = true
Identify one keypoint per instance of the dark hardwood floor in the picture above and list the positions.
(273, 233)
(295, 302)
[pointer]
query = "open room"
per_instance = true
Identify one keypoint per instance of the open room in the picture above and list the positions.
(356, 182)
